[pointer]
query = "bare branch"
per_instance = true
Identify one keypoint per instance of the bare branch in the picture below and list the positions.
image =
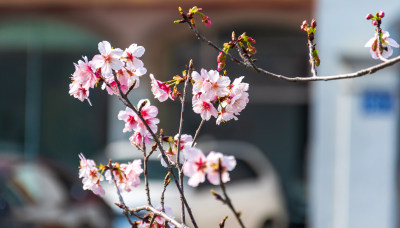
(227, 200)
(198, 132)
(158, 213)
(253, 67)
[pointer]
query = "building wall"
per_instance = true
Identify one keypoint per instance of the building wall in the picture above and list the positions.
(354, 151)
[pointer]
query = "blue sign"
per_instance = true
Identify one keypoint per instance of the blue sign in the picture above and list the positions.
(378, 101)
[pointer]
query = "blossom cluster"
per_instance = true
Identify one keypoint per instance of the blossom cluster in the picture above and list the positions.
(111, 63)
(134, 123)
(209, 89)
(198, 166)
(126, 175)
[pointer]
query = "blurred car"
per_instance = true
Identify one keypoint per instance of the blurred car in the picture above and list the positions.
(41, 193)
(254, 188)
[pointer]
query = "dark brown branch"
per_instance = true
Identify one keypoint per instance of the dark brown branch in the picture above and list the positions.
(227, 200)
(253, 67)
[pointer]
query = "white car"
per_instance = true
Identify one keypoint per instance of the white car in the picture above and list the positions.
(254, 188)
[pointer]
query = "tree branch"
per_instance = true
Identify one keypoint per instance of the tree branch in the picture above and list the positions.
(158, 213)
(257, 69)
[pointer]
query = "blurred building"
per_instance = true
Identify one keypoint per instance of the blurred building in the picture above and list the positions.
(354, 163)
(334, 130)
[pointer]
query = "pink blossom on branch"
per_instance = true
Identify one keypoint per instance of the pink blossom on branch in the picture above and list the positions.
(108, 60)
(228, 163)
(130, 118)
(160, 90)
(90, 175)
(84, 73)
(131, 57)
(195, 167)
(79, 91)
(387, 44)
(204, 107)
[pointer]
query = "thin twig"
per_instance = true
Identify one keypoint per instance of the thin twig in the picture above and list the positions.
(253, 67)
(127, 102)
(121, 199)
(166, 183)
(198, 132)
(227, 199)
(145, 169)
(179, 165)
(158, 213)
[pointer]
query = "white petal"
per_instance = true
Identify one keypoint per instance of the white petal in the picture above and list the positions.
(370, 42)
(392, 42)
(139, 51)
(373, 54)
(104, 47)
(388, 53)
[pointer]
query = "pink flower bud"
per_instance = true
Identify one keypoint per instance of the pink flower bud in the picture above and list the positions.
(206, 20)
(221, 66)
(313, 23)
(381, 14)
(375, 23)
(251, 40)
(221, 57)
(369, 16)
(303, 26)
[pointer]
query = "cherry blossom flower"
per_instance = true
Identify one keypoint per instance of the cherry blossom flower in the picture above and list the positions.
(149, 113)
(79, 91)
(137, 139)
(195, 167)
(228, 163)
(84, 73)
(160, 90)
(85, 165)
(90, 176)
(113, 89)
(130, 57)
(387, 44)
(204, 107)
(130, 118)
(108, 60)
(132, 172)
(199, 80)
(216, 85)
(185, 145)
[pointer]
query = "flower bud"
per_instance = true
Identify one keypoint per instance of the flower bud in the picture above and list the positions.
(304, 25)
(206, 20)
(375, 23)
(251, 40)
(313, 23)
(369, 16)
(221, 57)
(221, 66)
(381, 14)
(252, 50)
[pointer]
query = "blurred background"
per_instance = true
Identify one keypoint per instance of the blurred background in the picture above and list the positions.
(329, 148)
